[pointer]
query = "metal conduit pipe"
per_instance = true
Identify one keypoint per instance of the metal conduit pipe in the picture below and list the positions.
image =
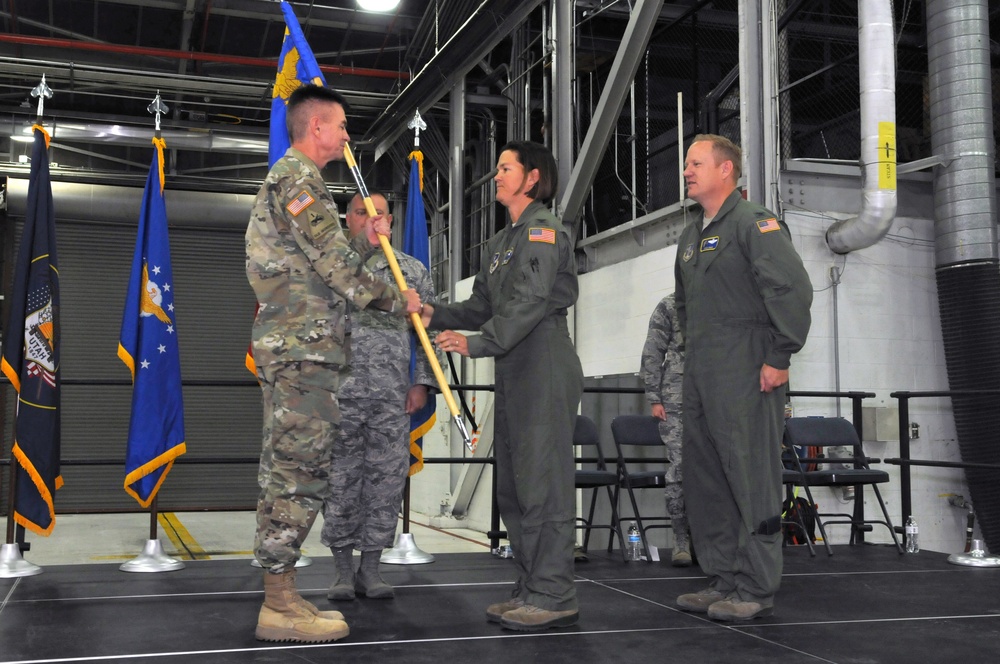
(74, 45)
(877, 62)
(966, 256)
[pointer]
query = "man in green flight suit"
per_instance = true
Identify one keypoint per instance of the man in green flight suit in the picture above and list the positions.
(743, 299)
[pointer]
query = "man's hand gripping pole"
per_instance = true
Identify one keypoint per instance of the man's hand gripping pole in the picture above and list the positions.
(418, 324)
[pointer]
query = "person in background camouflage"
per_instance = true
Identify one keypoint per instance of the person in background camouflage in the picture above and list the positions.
(304, 271)
(662, 374)
(371, 455)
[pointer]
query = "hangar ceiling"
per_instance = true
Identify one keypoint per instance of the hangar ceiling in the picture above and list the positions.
(213, 63)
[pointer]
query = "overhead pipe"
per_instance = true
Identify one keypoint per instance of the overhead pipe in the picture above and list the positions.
(51, 42)
(877, 65)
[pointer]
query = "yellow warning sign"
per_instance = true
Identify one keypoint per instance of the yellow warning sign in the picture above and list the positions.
(886, 155)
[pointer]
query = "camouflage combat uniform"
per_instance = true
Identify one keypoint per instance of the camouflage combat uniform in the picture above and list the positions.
(304, 271)
(371, 455)
(662, 375)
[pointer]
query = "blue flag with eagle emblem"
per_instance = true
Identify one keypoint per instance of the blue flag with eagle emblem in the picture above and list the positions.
(148, 346)
(296, 65)
(31, 352)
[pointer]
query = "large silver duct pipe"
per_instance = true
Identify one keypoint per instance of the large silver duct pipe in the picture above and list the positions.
(877, 62)
(968, 278)
(961, 114)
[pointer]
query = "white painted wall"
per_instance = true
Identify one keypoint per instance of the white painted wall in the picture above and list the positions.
(889, 339)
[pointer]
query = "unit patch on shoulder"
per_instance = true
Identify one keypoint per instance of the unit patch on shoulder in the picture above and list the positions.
(301, 202)
(768, 225)
(547, 235)
(710, 244)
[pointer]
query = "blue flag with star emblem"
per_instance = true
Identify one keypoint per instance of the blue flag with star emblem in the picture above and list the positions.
(31, 352)
(148, 346)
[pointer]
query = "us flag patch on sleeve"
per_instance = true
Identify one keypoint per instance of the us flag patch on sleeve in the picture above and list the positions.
(768, 225)
(303, 201)
(542, 235)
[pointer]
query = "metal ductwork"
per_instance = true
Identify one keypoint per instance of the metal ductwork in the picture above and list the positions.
(968, 276)
(877, 62)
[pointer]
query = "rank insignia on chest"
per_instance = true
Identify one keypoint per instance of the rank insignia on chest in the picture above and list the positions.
(768, 225)
(688, 253)
(495, 262)
(301, 202)
(507, 256)
(547, 235)
(710, 243)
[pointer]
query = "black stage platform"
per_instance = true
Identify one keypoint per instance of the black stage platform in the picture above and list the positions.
(865, 604)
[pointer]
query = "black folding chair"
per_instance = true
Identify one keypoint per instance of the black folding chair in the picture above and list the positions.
(632, 433)
(823, 432)
(594, 475)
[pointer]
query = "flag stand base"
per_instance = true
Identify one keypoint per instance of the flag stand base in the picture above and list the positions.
(405, 552)
(152, 559)
(303, 561)
(12, 564)
(975, 558)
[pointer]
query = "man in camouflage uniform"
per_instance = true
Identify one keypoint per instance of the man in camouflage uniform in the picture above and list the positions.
(304, 271)
(662, 374)
(371, 455)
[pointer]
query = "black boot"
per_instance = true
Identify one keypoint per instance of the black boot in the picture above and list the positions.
(369, 583)
(342, 587)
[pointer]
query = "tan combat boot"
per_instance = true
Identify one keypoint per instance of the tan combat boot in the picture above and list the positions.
(305, 604)
(283, 617)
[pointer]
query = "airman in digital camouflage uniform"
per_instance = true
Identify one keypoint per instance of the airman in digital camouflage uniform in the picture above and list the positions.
(662, 374)
(371, 455)
(743, 298)
(304, 272)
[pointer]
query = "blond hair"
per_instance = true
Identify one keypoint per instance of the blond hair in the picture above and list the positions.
(724, 149)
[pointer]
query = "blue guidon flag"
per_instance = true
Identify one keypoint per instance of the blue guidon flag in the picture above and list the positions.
(296, 66)
(417, 244)
(31, 352)
(148, 346)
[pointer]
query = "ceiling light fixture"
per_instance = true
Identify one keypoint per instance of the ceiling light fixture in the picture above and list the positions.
(378, 5)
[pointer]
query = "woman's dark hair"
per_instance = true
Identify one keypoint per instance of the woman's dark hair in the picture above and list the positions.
(533, 155)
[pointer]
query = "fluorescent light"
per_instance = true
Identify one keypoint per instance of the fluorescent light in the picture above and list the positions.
(378, 5)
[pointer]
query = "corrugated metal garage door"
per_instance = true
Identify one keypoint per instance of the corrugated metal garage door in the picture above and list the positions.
(214, 311)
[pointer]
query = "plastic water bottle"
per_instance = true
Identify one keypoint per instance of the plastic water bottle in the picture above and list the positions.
(912, 536)
(633, 546)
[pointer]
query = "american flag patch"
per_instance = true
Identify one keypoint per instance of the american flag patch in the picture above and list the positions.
(768, 225)
(303, 201)
(542, 235)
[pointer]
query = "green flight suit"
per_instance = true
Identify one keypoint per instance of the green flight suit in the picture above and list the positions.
(743, 299)
(519, 302)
